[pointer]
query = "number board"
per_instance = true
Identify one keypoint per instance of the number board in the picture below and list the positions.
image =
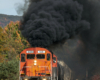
(29, 51)
(41, 51)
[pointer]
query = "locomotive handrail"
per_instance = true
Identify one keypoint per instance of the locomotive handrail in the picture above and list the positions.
(24, 67)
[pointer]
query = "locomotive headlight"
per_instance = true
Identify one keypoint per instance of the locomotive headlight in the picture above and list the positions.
(34, 63)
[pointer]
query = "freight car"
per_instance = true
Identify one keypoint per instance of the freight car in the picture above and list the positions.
(38, 64)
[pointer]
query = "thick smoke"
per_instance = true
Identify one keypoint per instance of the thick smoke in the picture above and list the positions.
(82, 54)
(91, 38)
(72, 53)
(48, 22)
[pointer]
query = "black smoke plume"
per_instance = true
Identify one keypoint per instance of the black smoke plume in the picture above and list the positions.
(84, 57)
(47, 22)
(91, 38)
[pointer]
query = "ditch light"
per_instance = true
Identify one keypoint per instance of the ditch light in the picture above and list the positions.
(44, 79)
(25, 79)
(34, 63)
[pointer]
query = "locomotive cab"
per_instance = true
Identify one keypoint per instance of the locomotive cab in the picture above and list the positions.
(37, 63)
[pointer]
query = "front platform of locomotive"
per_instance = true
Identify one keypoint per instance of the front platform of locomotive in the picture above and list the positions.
(36, 63)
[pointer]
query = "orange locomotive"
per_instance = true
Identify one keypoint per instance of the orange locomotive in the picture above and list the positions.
(38, 64)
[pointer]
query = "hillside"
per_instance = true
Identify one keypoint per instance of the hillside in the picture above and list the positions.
(5, 19)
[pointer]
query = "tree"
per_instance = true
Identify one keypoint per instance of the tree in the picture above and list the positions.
(11, 44)
(2, 40)
(15, 41)
(3, 47)
(9, 70)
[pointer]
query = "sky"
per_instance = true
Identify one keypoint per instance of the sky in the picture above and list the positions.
(8, 6)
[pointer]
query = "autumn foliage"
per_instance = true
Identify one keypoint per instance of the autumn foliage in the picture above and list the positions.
(15, 42)
(11, 44)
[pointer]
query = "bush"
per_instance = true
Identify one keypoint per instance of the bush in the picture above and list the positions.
(9, 70)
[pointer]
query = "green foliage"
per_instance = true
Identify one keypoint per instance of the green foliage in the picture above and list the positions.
(11, 44)
(2, 40)
(9, 70)
(15, 41)
(3, 47)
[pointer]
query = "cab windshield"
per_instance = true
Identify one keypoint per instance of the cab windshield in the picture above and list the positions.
(40, 56)
(30, 56)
